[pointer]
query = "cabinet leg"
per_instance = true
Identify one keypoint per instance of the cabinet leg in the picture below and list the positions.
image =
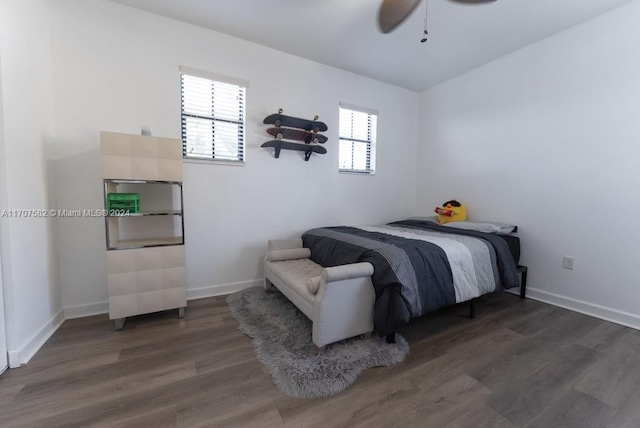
(120, 323)
(180, 312)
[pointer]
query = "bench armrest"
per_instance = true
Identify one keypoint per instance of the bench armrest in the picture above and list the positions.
(343, 305)
(284, 244)
(291, 254)
(344, 272)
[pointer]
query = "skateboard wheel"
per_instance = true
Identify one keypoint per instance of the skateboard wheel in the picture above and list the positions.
(278, 123)
(280, 111)
(316, 129)
(279, 136)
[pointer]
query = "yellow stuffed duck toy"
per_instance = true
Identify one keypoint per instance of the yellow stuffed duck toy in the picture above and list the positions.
(451, 211)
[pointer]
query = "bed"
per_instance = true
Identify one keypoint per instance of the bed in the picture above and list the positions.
(419, 266)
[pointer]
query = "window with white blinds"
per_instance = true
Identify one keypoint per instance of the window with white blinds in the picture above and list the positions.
(357, 150)
(213, 117)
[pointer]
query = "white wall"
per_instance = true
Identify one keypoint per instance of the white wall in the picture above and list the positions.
(548, 138)
(116, 68)
(29, 264)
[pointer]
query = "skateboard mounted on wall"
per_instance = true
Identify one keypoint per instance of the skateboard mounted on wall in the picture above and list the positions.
(304, 132)
(280, 119)
(298, 135)
(308, 149)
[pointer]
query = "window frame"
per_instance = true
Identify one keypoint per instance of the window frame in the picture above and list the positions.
(371, 141)
(221, 78)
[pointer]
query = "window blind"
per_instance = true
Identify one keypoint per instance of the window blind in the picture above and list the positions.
(357, 135)
(213, 119)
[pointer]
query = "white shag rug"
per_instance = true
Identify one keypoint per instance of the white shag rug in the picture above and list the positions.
(282, 340)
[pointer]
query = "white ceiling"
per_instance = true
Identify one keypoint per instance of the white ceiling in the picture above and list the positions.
(344, 33)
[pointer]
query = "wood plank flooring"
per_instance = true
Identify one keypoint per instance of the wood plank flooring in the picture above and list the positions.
(517, 364)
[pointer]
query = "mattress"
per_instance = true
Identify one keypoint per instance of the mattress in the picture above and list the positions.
(514, 246)
(419, 266)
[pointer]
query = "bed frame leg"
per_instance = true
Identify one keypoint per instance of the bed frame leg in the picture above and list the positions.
(472, 308)
(391, 338)
(523, 282)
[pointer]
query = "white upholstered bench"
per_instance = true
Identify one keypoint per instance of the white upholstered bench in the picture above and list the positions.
(338, 300)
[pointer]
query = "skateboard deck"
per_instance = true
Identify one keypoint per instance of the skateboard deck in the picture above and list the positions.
(279, 119)
(297, 134)
(308, 149)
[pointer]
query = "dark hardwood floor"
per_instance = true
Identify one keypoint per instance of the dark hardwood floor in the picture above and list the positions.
(518, 363)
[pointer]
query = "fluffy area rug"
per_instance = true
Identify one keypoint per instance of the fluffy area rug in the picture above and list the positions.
(282, 340)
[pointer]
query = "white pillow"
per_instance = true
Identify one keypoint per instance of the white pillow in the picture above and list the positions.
(497, 228)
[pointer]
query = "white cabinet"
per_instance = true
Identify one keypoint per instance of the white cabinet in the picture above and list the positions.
(145, 245)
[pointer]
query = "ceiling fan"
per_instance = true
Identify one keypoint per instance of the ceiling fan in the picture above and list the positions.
(394, 12)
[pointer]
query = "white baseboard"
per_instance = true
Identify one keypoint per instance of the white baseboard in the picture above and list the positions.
(591, 309)
(221, 290)
(17, 357)
(86, 310)
(14, 359)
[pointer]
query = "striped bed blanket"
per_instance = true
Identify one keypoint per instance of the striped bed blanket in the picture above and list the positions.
(419, 266)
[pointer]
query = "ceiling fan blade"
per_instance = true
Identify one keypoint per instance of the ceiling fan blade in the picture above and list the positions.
(393, 12)
(473, 1)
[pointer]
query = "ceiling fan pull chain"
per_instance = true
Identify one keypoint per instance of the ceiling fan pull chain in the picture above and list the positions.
(426, 16)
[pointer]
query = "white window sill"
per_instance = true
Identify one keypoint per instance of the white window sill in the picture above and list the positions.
(349, 172)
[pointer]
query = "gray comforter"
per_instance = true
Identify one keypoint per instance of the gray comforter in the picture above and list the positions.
(419, 266)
